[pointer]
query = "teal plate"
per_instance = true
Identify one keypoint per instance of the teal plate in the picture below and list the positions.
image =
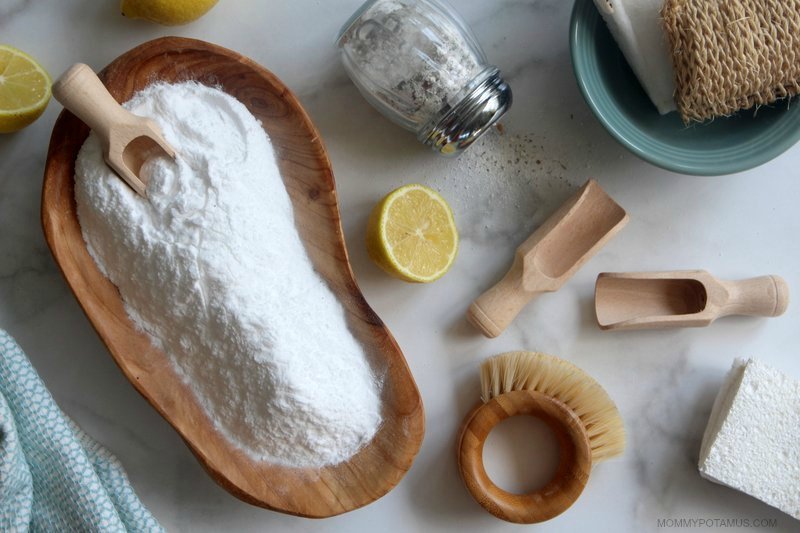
(723, 146)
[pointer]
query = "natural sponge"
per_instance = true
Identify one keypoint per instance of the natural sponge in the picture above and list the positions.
(752, 441)
(733, 54)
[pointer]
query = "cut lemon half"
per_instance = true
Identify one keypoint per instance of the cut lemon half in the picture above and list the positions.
(411, 234)
(24, 89)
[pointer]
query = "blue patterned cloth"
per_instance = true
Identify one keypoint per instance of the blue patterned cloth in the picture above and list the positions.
(54, 477)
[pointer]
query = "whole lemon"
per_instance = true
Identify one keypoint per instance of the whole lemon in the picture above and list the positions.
(167, 12)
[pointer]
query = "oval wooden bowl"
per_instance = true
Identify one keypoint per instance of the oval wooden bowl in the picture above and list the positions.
(306, 171)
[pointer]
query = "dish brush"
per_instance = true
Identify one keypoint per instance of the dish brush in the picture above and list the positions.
(577, 409)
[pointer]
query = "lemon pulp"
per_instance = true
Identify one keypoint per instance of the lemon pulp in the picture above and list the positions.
(412, 234)
(24, 89)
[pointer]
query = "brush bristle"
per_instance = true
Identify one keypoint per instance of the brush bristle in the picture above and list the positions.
(565, 382)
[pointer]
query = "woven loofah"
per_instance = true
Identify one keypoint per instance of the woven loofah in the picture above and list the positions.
(732, 54)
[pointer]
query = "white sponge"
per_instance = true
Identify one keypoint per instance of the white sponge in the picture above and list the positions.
(637, 28)
(752, 441)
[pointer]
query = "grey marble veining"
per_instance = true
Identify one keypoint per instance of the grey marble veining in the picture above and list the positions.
(663, 382)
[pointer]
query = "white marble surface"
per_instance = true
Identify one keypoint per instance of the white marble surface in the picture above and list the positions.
(664, 382)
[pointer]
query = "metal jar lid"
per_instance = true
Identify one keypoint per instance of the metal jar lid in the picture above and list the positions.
(462, 124)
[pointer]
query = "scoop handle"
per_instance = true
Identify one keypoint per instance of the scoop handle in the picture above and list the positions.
(494, 310)
(81, 91)
(762, 296)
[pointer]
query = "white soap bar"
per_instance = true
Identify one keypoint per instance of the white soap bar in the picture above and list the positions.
(636, 26)
(752, 441)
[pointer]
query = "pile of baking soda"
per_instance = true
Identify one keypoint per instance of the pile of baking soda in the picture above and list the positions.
(211, 266)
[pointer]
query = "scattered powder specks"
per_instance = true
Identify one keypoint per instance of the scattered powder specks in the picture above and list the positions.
(505, 183)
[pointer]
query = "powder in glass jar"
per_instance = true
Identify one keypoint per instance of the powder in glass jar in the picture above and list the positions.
(414, 57)
(212, 268)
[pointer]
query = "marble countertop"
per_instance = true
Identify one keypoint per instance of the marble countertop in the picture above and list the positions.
(663, 381)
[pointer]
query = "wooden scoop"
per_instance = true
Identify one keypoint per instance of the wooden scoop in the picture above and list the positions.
(691, 298)
(128, 140)
(555, 251)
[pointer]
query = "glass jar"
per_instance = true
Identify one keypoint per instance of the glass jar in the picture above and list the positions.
(418, 63)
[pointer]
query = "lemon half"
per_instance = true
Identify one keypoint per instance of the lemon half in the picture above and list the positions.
(412, 235)
(24, 89)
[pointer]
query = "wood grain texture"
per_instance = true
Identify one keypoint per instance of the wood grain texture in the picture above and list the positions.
(575, 457)
(550, 256)
(306, 171)
(679, 299)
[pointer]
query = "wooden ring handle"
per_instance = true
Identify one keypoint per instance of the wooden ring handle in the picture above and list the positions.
(574, 465)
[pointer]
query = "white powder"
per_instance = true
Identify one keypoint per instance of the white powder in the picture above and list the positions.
(213, 269)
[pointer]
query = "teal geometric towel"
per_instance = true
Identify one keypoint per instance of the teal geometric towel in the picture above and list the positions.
(54, 477)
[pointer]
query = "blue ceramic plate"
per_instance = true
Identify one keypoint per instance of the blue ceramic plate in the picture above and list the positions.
(723, 146)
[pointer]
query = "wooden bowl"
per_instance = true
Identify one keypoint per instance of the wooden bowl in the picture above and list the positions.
(306, 172)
